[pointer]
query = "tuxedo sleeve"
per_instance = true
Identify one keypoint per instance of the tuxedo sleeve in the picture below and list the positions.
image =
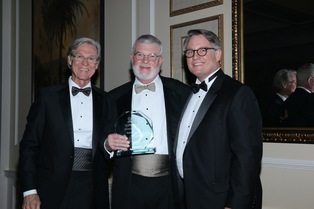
(245, 129)
(29, 145)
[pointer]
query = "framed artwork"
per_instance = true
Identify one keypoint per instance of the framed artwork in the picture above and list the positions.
(178, 7)
(56, 24)
(178, 34)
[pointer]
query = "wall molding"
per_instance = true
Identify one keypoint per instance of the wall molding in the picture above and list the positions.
(288, 164)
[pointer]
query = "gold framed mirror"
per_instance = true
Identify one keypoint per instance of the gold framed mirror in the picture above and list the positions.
(270, 134)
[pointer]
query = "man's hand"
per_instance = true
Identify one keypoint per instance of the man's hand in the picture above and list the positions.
(31, 202)
(117, 142)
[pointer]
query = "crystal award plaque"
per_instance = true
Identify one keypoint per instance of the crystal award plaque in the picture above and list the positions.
(139, 130)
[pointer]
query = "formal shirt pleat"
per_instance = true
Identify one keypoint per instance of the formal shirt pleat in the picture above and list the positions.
(152, 104)
(82, 117)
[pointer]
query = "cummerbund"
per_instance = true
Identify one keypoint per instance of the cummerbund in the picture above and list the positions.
(154, 165)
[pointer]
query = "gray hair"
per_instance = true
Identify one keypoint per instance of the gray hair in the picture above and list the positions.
(209, 35)
(305, 72)
(282, 76)
(83, 40)
(147, 39)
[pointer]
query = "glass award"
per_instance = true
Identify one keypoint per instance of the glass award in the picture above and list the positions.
(139, 130)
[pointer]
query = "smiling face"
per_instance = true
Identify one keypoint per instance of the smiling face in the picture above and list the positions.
(83, 70)
(144, 69)
(202, 66)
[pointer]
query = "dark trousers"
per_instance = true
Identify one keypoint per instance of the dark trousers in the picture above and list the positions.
(79, 194)
(150, 193)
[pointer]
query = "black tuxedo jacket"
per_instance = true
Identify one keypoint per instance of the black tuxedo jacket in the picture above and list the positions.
(175, 95)
(300, 109)
(222, 157)
(47, 147)
(275, 113)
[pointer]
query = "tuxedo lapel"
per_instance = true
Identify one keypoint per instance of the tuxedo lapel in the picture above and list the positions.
(124, 102)
(65, 104)
(207, 102)
(97, 118)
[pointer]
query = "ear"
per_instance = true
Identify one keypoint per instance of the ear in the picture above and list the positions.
(70, 60)
(161, 59)
(218, 54)
(96, 66)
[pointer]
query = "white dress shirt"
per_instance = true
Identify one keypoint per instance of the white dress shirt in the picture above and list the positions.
(152, 104)
(82, 117)
(187, 121)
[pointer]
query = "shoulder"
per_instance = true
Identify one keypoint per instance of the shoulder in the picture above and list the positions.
(123, 88)
(226, 82)
(98, 90)
(232, 87)
(52, 90)
(120, 91)
(175, 85)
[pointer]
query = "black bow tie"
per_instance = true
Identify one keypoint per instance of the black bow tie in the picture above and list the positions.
(196, 87)
(85, 91)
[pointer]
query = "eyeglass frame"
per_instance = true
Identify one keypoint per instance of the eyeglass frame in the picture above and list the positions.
(136, 54)
(81, 58)
(198, 51)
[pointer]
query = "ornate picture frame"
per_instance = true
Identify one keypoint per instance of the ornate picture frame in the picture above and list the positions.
(270, 134)
(178, 33)
(178, 7)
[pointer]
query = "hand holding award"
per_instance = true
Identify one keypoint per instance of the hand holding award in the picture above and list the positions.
(139, 130)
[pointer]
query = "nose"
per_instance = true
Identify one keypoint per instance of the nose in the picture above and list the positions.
(145, 59)
(85, 62)
(195, 55)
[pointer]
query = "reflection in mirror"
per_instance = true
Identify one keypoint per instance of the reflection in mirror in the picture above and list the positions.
(270, 35)
(277, 35)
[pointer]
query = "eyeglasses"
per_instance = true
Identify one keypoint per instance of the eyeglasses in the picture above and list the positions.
(201, 52)
(151, 57)
(81, 58)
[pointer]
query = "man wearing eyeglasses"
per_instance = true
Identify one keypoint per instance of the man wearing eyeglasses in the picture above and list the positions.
(60, 164)
(144, 181)
(219, 142)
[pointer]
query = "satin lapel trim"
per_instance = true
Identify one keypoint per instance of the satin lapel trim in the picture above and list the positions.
(97, 118)
(207, 102)
(124, 103)
(65, 105)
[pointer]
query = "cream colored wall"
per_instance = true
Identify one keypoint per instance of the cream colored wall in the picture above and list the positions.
(287, 169)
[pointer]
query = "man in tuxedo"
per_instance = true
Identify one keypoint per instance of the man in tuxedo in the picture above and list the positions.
(219, 141)
(60, 163)
(284, 83)
(144, 181)
(300, 103)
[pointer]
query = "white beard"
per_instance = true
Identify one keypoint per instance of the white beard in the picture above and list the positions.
(146, 76)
